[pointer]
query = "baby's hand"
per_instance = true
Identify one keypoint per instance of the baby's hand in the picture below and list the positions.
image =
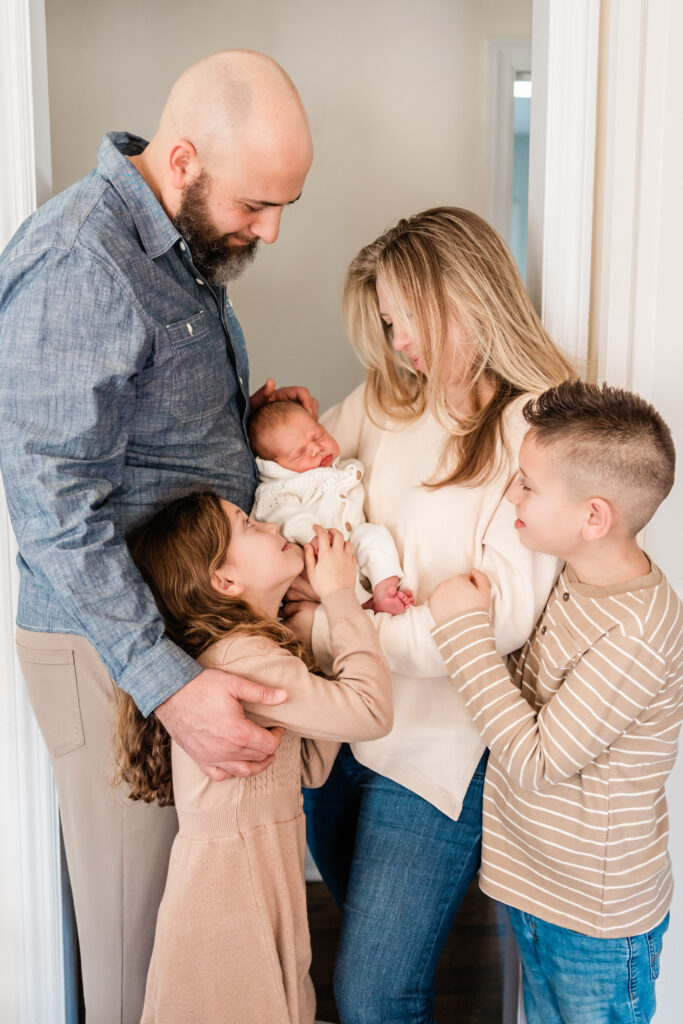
(460, 594)
(386, 597)
(334, 566)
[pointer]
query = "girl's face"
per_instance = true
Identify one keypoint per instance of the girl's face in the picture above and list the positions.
(260, 564)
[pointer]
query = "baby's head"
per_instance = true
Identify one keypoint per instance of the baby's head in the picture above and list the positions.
(285, 433)
(597, 460)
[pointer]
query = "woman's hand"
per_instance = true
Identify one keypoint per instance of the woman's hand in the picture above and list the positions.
(333, 566)
(269, 393)
(460, 594)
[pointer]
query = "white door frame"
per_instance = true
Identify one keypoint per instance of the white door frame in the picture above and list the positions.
(31, 945)
(505, 58)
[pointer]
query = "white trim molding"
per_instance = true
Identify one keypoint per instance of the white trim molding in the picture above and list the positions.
(561, 167)
(506, 58)
(30, 889)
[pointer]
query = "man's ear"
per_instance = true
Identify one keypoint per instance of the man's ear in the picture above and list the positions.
(183, 165)
(599, 519)
(221, 582)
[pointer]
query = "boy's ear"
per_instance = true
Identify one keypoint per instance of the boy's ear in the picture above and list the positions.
(221, 582)
(599, 519)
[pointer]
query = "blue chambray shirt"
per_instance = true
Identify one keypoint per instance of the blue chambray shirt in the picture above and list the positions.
(124, 383)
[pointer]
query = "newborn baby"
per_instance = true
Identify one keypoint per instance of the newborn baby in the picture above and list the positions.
(304, 483)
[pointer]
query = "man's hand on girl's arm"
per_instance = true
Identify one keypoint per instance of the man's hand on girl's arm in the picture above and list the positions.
(293, 393)
(205, 717)
(463, 593)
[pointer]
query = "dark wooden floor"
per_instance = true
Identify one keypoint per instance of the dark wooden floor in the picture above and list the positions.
(469, 979)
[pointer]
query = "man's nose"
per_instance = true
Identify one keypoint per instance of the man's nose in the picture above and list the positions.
(267, 224)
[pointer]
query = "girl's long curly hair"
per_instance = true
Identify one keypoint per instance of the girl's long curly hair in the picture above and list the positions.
(176, 553)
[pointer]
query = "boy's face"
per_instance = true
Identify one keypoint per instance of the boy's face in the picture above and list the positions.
(301, 443)
(549, 519)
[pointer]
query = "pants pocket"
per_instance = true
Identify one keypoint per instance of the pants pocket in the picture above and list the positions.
(654, 946)
(50, 677)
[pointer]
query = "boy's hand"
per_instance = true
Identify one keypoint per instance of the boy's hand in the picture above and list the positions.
(334, 565)
(460, 594)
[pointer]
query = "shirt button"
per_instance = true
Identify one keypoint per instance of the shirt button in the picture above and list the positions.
(199, 280)
(565, 596)
(544, 630)
(358, 474)
(347, 527)
(183, 247)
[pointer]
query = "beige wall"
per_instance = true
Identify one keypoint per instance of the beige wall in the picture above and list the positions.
(395, 95)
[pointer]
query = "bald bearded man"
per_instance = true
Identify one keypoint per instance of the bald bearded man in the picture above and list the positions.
(125, 384)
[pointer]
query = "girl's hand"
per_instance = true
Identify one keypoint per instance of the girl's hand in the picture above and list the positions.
(460, 594)
(335, 565)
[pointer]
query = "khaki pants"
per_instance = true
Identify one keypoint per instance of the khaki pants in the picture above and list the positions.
(117, 851)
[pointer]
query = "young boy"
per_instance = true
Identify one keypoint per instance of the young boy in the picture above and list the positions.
(583, 723)
(302, 483)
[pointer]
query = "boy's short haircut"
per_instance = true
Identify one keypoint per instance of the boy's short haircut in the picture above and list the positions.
(265, 419)
(610, 443)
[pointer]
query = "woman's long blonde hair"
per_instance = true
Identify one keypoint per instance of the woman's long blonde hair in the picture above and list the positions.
(176, 552)
(442, 267)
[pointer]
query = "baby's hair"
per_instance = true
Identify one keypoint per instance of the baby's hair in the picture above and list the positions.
(265, 419)
(609, 442)
(176, 553)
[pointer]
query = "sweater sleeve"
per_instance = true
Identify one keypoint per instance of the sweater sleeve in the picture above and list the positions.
(317, 758)
(406, 641)
(521, 580)
(606, 689)
(356, 704)
(345, 422)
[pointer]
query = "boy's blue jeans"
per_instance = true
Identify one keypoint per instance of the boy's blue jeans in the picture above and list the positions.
(400, 869)
(570, 978)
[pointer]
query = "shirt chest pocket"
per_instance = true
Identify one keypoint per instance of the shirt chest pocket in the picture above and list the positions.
(196, 369)
(559, 652)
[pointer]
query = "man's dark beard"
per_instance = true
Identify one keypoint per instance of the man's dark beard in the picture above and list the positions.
(213, 257)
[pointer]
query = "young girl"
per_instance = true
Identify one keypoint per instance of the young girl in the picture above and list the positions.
(232, 942)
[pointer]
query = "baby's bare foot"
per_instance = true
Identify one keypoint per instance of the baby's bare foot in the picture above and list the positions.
(388, 598)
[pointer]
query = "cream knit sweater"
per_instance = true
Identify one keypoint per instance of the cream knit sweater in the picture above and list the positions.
(434, 746)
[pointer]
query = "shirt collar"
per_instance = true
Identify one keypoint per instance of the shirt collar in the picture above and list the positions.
(156, 231)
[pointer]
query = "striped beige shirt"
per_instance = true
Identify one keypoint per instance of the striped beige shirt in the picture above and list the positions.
(583, 729)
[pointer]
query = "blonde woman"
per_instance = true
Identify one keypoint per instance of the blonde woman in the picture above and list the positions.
(437, 310)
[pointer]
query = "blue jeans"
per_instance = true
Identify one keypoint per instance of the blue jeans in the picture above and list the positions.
(570, 978)
(400, 869)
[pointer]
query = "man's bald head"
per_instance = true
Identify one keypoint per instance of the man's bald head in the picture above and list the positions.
(234, 99)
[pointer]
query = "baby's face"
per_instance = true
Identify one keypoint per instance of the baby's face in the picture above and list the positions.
(301, 443)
